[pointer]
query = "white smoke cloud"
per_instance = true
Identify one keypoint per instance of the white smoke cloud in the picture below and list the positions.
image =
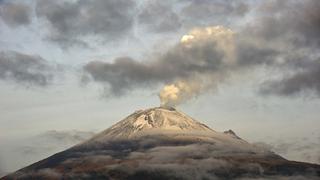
(222, 40)
(178, 92)
(221, 36)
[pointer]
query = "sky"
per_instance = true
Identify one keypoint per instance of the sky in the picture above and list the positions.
(82, 65)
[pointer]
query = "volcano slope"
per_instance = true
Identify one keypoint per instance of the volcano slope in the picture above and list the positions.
(163, 143)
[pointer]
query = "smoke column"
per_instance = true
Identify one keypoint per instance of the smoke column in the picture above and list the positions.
(182, 90)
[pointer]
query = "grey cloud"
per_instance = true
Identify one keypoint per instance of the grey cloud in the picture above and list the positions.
(293, 29)
(294, 22)
(15, 14)
(71, 22)
(285, 30)
(290, 25)
(249, 55)
(159, 16)
(202, 62)
(123, 73)
(45, 173)
(302, 82)
(283, 35)
(180, 62)
(24, 68)
(207, 12)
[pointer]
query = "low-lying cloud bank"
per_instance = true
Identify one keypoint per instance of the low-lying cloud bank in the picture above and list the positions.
(160, 158)
(163, 157)
(304, 149)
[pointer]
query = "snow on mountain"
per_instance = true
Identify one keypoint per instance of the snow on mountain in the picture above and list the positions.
(169, 122)
(153, 120)
(163, 143)
(162, 124)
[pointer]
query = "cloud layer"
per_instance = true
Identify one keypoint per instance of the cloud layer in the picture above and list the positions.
(15, 14)
(287, 41)
(280, 35)
(70, 23)
(163, 158)
(199, 13)
(25, 69)
(159, 17)
(198, 59)
(305, 149)
(294, 30)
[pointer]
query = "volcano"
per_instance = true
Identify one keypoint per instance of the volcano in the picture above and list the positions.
(164, 143)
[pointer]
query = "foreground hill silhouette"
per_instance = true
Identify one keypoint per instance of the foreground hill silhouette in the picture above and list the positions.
(163, 143)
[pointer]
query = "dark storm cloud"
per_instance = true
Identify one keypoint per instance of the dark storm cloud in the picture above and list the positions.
(24, 68)
(15, 14)
(159, 16)
(71, 22)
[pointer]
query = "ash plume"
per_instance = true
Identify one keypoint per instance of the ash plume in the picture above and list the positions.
(176, 93)
(193, 65)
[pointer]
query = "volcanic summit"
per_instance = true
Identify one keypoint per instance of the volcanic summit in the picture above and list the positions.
(164, 143)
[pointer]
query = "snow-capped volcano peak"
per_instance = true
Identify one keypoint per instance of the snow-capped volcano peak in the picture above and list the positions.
(153, 120)
(160, 143)
(166, 118)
